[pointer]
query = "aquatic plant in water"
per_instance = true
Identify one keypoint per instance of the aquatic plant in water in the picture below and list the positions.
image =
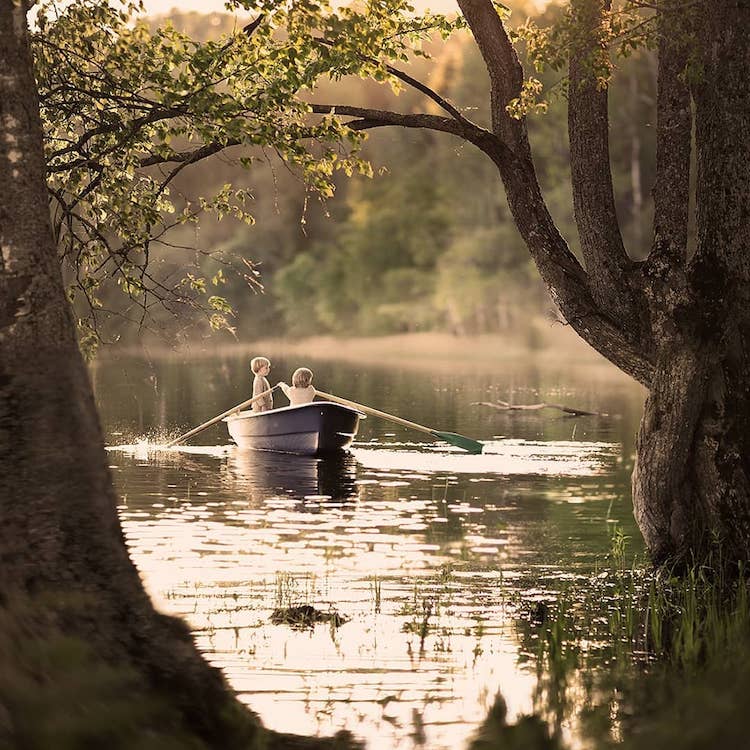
(616, 655)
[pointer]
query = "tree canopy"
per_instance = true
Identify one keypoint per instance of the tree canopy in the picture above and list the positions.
(126, 108)
(131, 125)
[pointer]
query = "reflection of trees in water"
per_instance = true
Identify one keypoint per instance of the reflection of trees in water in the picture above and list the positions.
(265, 473)
(564, 519)
(542, 520)
(547, 520)
(174, 484)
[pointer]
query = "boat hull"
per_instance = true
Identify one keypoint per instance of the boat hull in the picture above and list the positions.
(314, 429)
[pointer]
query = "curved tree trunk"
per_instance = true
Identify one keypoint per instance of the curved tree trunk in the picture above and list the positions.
(68, 588)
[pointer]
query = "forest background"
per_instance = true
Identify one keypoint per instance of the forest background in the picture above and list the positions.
(423, 245)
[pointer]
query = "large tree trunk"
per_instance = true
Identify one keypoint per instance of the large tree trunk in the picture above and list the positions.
(60, 538)
(68, 586)
(691, 494)
(691, 485)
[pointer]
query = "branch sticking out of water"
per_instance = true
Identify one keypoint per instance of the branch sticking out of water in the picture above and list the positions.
(505, 406)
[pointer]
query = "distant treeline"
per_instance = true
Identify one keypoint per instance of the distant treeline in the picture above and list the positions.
(428, 242)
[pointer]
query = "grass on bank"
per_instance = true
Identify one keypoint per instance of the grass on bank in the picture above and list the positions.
(643, 659)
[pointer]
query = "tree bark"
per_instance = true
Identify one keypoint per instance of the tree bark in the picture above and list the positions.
(691, 484)
(607, 264)
(65, 567)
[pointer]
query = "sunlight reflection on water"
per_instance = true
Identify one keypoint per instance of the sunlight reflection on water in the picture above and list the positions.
(426, 552)
(499, 457)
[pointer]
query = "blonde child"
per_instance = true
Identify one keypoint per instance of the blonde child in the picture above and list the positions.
(261, 366)
(301, 391)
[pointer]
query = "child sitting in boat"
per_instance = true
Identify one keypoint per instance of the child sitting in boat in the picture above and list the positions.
(261, 366)
(301, 391)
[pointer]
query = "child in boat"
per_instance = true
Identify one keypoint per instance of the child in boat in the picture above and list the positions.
(301, 391)
(261, 366)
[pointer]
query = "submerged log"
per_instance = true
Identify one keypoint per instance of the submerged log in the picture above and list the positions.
(569, 410)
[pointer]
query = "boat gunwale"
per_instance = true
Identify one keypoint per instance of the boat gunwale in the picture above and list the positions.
(248, 414)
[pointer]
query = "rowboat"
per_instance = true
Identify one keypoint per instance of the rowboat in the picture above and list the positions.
(313, 429)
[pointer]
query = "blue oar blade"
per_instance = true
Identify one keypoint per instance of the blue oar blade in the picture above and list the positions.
(460, 441)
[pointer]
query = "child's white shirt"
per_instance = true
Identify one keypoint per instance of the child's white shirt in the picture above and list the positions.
(298, 396)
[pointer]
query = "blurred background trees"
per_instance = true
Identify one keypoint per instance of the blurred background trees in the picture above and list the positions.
(427, 243)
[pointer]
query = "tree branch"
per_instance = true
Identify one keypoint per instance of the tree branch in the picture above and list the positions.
(374, 118)
(157, 115)
(673, 142)
(427, 91)
(249, 29)
(606, 260)
(189, 157)
(441, 101)
(367, 119)
(509, 149)
(567, 410)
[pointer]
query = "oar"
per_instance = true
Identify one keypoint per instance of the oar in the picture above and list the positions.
(221, 416)
(460, 441)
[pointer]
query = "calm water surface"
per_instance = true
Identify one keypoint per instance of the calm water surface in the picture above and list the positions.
(436, 557)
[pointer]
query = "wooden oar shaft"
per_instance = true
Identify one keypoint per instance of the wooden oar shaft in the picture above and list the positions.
(218, 418)
(375, 412)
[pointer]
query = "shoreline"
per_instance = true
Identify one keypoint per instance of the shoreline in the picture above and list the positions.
(551, 344)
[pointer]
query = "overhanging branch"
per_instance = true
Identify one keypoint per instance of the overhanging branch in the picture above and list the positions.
(374, 118)
(189, 157)
(423, 88)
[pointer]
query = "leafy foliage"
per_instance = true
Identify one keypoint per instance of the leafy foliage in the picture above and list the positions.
(133, 112)
(628, 25)
(126, 108)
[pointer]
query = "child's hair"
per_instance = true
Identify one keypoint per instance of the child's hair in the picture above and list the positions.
(257, 362)
(302, 377)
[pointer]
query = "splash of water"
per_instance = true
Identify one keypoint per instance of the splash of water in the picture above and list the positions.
(146, 446)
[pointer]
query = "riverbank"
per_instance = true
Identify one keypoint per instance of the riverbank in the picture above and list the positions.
(432, 349)
(546, 343)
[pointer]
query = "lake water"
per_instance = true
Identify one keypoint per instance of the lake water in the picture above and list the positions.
(438, 560)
